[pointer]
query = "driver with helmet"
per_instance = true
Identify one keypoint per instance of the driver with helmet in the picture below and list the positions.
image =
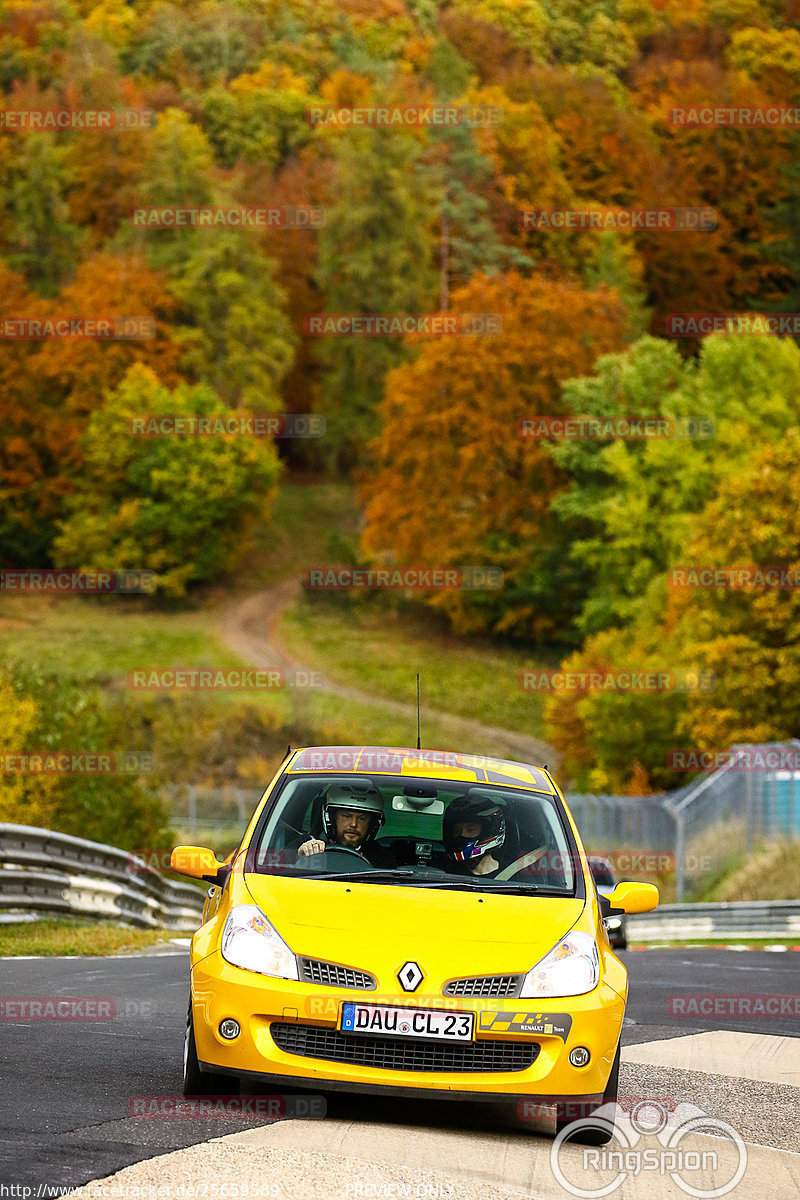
(473, 827)
(351, 818)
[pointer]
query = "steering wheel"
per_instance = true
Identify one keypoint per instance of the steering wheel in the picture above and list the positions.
(342, 850)
(306, 861)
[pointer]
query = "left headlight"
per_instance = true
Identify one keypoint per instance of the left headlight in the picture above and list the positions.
(570, 969)
(250, 942)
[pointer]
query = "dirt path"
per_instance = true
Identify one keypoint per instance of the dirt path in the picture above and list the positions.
(249, 627)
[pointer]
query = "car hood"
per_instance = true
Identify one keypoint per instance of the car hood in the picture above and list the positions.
(379, 927)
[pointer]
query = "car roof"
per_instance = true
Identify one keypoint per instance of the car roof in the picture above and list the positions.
(439, 764)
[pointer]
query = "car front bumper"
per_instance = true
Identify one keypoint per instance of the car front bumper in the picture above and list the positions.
(258, 1003)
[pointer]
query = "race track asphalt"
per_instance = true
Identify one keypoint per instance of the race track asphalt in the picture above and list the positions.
(66, 1085)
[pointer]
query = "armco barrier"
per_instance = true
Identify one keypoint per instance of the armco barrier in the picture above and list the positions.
(757, 918)
(46, 872)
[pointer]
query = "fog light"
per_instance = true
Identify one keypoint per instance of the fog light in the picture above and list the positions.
(579, 1057)
(229, 1028)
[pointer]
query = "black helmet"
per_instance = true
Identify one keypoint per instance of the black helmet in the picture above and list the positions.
(484, 811)
(356, 799)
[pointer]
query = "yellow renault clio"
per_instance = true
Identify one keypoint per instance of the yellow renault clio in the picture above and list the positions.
(408, 922)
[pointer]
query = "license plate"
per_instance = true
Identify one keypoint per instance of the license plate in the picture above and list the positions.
(394, 1021)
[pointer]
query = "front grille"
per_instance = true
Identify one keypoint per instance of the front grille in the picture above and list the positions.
(400, 1054)
(315, 970)
(484, 985)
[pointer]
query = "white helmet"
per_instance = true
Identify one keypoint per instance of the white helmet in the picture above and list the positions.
(356, 799)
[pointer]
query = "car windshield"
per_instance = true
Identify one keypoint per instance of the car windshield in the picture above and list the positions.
(434, 833)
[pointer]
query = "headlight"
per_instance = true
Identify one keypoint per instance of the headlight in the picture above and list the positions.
(250, 942)
(570, 969)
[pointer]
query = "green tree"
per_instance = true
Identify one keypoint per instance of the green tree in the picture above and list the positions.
(630, 505)
(40, 239)
(375, 255)
(748, 636)
(181, 506)
(234, 330)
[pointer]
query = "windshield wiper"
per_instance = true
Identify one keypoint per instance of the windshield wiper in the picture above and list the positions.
(398, 875)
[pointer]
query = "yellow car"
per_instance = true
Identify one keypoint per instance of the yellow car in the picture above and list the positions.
(408, 922)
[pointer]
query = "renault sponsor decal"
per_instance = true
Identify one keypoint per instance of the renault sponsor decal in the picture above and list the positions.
(548, 1024)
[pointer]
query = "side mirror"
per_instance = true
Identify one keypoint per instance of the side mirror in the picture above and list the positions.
(199, 863)
(633, 898)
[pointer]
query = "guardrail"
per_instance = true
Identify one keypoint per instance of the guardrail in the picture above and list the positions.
(46, 872)
(757, 918)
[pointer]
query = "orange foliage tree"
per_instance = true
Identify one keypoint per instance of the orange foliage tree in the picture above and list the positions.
(454, 482)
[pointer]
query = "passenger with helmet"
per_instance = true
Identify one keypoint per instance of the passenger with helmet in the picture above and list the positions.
(474, 827)
(351, 818)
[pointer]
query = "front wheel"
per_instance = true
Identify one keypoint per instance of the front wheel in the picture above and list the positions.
(202, 1083)
(591, 1130)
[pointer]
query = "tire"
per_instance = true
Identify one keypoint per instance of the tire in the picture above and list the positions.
(601, 1132)
(202, 1083)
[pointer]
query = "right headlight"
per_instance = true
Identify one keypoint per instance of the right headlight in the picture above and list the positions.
(250, 942)
(570, 969)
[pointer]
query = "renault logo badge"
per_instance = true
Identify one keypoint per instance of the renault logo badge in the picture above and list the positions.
(410, 976)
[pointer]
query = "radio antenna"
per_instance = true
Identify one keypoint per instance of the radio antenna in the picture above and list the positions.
(418, 744)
